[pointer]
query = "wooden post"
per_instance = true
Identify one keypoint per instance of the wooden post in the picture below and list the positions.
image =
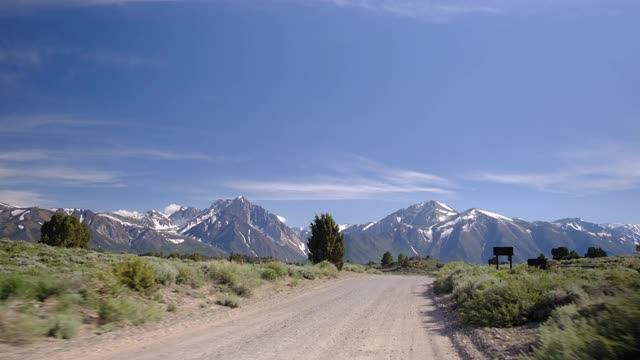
(497, 262)
(510, 262)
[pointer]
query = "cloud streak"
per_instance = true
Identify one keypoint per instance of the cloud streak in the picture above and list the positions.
(605, 168)
(432, 10)
(357, 178)
(58, 175)
(26, 123)
(22, 198)
(24, 155)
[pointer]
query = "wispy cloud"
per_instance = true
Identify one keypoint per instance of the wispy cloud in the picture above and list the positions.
(33, 56)
(22, 198)
(445, 10)
(112, 58)
(358, 178)
(20, 57)
(432, 10)
(59, 175)
(597, 169)
(158, 154)
(23, 155)
(26, 123)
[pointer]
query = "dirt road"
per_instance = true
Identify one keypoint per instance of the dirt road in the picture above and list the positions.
(363, 317)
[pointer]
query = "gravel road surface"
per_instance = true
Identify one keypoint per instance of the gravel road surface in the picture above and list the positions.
(359, 317)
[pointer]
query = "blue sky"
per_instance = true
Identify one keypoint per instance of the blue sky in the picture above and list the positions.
(355, 107)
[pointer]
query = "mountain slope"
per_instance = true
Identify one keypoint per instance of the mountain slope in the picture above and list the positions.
(434, 229)
(241, 227)
(118, 231)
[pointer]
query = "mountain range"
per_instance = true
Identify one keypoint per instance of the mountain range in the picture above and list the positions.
(435, 229)
(236, 225)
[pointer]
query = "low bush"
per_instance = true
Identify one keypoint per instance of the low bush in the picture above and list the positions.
(279, 268)
(324, 269)
(269, 274)
(166, 274)
(605, 331)
(64, 326)
(136, 274)
(35, 285)
(229, 301)
(130, 311)
(20, 328)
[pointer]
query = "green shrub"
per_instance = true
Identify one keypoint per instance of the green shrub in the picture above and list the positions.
(190, 275)
(136, 274)
(32, 285)
(269, 274)
(280, 269)
(120, 310)
(308, 274)
(20, 328)
(166, 274)
(324, 269)
(172, 307)
(64, 326)
(229, 301)
(242, 290)
(357, 268)
(608, 331)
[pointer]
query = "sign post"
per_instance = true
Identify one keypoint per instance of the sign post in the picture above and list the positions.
(503, 251)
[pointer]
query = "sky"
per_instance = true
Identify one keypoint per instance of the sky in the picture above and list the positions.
(358, 108)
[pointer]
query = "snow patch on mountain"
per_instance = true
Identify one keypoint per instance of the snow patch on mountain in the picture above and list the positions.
(129, 214)
(494, 215)
(17, 212)
(114, 218)
(368, 226)
(445, 206)
(282, 219)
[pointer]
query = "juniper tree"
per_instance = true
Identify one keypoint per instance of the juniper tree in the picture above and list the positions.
(559, 253)
(594, 252)
(400, 259)
(387, 259)
(326, 241)
(66, 231)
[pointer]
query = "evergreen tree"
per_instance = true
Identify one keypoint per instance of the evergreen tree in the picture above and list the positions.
(572, 255)
(401, 259)
(559, 253)
(326, 241)
(594, 252)
(66, 231)
(638, 247)
(405, 262)
(541, 256)
(387, 259)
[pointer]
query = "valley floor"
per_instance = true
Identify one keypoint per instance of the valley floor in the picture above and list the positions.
(356, 317)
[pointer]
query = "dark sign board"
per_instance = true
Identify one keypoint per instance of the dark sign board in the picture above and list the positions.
(503, 251)
(541, 263)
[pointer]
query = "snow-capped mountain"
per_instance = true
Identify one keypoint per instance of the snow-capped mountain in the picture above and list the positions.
(238, 226)
(227, 226)
(182, 214)
(435, 229)
(116, 231)
(429, 228)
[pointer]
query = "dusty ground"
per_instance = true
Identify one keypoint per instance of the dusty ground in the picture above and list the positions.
(358, 317)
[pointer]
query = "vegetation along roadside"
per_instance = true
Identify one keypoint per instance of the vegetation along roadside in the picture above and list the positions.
(587, 310)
